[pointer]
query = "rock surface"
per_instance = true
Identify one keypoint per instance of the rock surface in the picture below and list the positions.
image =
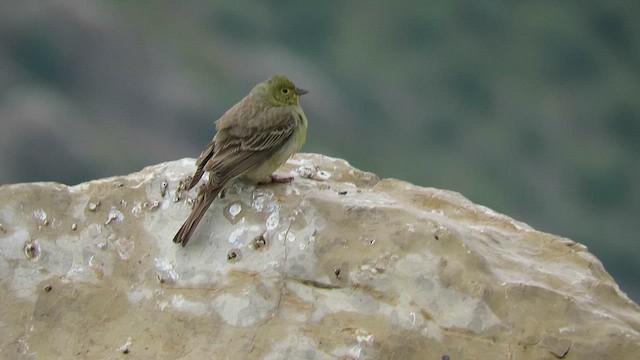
(336, 265)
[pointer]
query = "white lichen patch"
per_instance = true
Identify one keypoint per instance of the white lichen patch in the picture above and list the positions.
(322, 175)
(273, 220)
(229, 308)
(124, 247)
(235, 209)
(179, 303)
(114, 215)
(40, 214)
(165, 269)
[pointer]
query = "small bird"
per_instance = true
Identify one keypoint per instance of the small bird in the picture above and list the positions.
(253, 138)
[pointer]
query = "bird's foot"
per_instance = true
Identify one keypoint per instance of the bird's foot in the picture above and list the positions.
(277, 180)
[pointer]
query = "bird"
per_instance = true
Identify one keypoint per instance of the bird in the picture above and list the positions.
(253, 139)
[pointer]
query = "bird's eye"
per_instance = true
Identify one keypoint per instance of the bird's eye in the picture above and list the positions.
(285, 91)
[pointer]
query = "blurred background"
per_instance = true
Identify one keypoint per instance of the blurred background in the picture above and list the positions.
(531, 108)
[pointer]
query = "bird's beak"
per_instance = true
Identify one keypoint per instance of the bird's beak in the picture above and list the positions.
(300, 91)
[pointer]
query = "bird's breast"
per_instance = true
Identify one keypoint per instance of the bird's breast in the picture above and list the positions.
(290, 147)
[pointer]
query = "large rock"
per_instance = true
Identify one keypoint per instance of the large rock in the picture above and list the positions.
(338, 264)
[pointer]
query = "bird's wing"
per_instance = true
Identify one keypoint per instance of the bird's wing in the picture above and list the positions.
(202, 161)
(271, 137)
(245, 148)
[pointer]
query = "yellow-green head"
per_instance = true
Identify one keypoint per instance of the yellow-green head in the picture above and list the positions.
(279, 91)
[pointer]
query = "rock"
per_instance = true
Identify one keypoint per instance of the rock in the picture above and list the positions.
(336, 265)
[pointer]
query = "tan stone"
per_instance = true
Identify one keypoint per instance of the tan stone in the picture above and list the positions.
(335, 265)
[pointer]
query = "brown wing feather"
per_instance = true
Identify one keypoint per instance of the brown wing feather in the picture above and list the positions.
(203, 159)
(204, 200)
(272, 138)
(243, 150)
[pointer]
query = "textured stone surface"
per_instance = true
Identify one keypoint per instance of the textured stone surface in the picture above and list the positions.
(335, 265)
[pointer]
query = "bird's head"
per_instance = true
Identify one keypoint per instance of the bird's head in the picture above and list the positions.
(280, 91)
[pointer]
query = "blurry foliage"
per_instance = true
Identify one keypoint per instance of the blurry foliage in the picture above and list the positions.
(531, 108)
(39, 57)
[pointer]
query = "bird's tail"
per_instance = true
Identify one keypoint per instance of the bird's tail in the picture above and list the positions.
(203, 202)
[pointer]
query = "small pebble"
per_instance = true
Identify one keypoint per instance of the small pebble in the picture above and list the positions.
(30, 250)
(94, 205)
(259, 242)
(233, 255)
(163, 188)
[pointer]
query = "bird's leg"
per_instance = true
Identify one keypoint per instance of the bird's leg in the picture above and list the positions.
(281, 179)
(276, 179)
